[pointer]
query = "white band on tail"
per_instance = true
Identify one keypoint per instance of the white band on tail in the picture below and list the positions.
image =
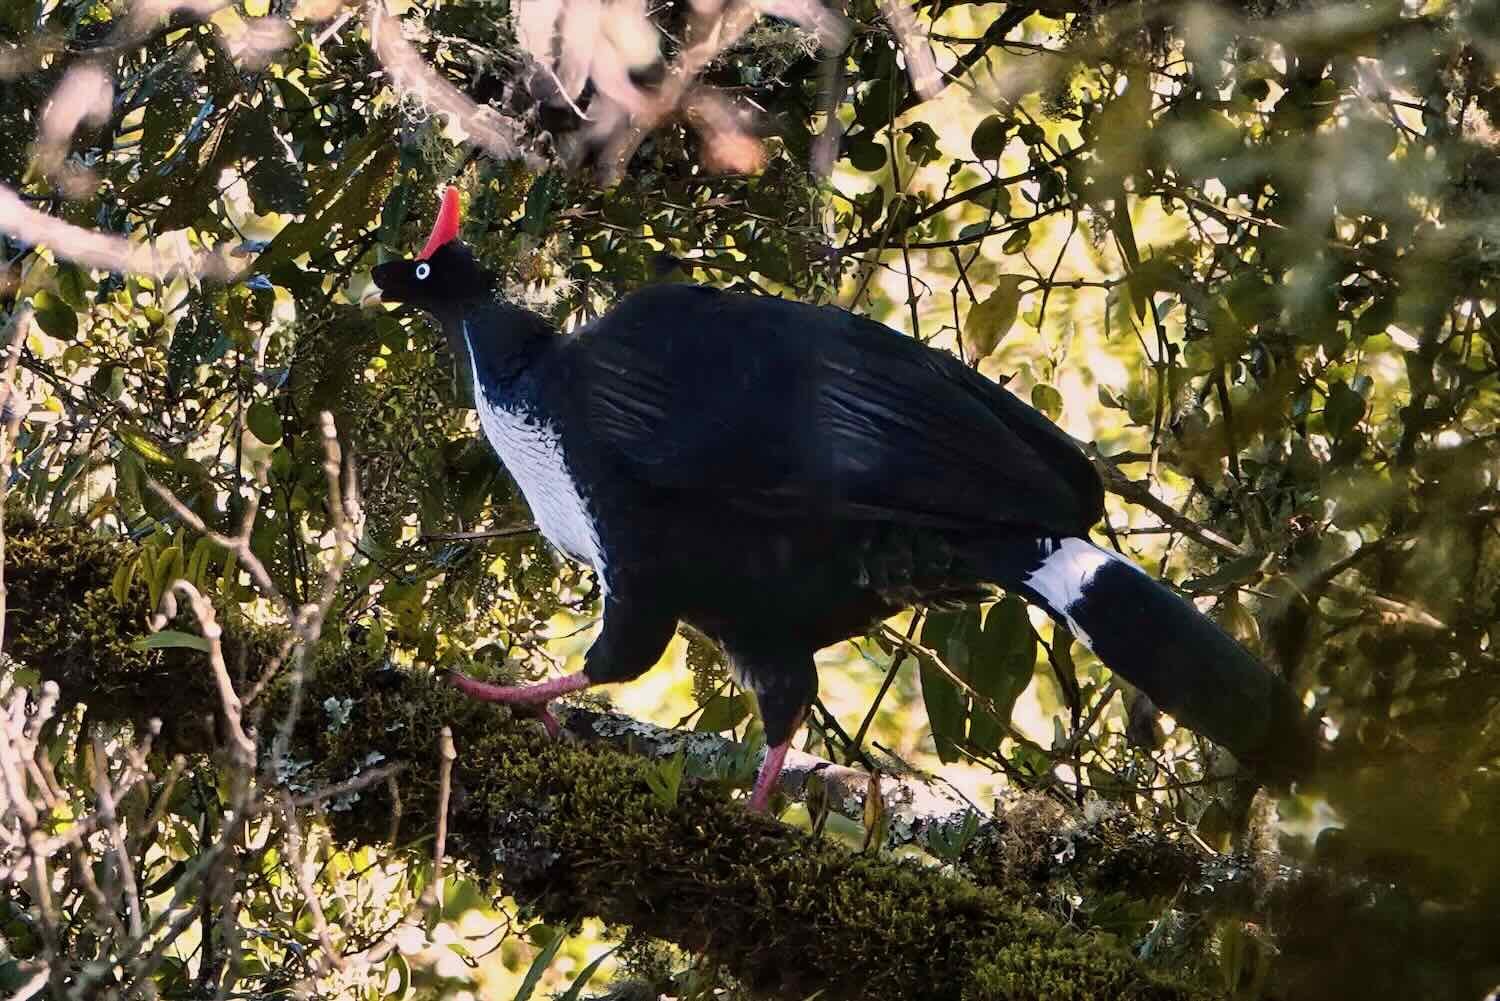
(1066, 571)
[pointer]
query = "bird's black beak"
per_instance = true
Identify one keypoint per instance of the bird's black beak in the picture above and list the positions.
(383, 275)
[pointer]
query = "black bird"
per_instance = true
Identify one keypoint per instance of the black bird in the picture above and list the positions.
(782, 476)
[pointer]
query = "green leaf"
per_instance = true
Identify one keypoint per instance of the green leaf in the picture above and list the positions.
(923, 147)
(348, 199)
(124, 576)
(869, 205)
(1048, 400)
(989, 321)
(948, 840)
(460, 896)
(947, 704)
(723, 712)
(171, 639)
(167, 114)
(539, 967)
(144, 446)
(665, 779)
(1017, 241)
(1237, 620)
(73, 285)
(293, 97)
(1241, 568)
(276, 181)
(54, 316)
(1378, 315)
(397, 964)
(1031, 134)
(575, 989)
(168, 879)
(264, 422)
(1003, 662)
(995, 655)
(198, 339)
(393, 214)
(1255, 90)
(1049, 187)
(1343, 410)
(874, 107)
(169, 567)
(541, 196)
(990, 137)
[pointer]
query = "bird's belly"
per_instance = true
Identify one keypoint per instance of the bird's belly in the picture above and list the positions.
(533, 454)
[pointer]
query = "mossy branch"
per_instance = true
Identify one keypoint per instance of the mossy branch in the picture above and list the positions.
(913, 810)
(575, 830)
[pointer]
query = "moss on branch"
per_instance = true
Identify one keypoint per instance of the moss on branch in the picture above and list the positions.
(574, 830)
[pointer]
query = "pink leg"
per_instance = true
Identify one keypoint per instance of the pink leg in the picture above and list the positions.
(524, 698)
(769, 775)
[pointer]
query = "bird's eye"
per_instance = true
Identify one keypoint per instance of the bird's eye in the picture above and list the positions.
(423, 270)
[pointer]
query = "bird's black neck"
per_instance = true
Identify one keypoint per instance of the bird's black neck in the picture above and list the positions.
(499, 340)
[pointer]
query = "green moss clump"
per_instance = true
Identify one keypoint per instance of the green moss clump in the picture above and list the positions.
(1046, 963)
(62, 621)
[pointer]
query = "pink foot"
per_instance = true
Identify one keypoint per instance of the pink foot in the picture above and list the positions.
(528, 699)
(768, 776)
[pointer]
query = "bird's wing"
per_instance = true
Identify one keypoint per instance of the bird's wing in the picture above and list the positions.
(779, 405)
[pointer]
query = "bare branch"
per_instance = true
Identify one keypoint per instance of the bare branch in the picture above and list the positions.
(411, 75)
(510, 532)
(446, 756)
(168, 255)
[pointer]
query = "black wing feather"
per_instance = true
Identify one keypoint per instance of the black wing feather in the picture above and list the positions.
(776, 404)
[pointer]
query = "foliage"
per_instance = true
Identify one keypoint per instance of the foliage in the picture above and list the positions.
(1247, 250)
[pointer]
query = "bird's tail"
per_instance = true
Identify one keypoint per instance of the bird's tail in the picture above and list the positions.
(1143, 631)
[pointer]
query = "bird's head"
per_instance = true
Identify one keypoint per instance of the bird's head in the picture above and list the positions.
(443, 276)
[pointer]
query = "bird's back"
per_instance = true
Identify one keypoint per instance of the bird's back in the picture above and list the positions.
(788, 407)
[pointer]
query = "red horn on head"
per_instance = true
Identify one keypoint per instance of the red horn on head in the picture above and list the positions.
(446, 226)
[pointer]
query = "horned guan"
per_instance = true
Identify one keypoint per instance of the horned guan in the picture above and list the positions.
(783, 476)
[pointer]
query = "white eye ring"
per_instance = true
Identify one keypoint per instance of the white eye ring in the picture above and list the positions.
(423, 270)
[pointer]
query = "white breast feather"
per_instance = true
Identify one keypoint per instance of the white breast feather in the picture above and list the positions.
(533, 454)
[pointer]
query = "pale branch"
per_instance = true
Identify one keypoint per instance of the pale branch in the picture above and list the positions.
(916, 811)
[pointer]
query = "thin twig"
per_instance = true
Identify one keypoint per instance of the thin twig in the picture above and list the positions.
(111, 822)
(14, 337)
(297, 862)
(208, 625)
(509, 532)
(446, 756)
